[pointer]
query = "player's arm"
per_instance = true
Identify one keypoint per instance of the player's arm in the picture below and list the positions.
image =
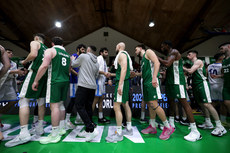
(152, 56)
(34, 47)
(195, 66)
(70, 68)
(77, 62)
(73, 71)
(216, 76)
(5, 61)
(42, 69)
(17, 71)
(171, 58)
(122, 60)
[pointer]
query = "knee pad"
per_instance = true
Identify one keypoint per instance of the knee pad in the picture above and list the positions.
(41, 101)
(61, 105)
(24, 102)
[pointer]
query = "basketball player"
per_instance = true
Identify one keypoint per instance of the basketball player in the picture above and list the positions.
(8, 89)
(201, 90)
(225, 48)
(81, 48)
(37, 49)
(100, 91)
(123, 65)
(216, 81)
(151, 90)
(57, 61)
(176, 89)
(6, 66)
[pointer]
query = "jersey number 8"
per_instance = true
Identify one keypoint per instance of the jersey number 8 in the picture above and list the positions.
(63, 61)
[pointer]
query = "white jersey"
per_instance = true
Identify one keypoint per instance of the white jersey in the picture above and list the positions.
(102, 67)
(215, 69)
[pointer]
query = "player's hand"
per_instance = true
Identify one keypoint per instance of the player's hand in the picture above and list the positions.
(107, 74)
(35, 86)
(132, 74)
(20, 72)
(73, 58)
(119, 90)
(23, 62)
(213, 76)
(2, 48)
(154, 82)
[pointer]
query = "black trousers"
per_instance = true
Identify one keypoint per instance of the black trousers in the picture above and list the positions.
(84, 101)
(70, 105)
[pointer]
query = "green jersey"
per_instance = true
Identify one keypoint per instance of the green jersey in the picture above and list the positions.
(59, 69)
(118, 71)
(175, 73)
(226, 71)
(38, 60)
(147, 69)
(199, 76)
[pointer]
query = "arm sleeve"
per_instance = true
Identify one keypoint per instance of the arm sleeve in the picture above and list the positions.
(77, 62)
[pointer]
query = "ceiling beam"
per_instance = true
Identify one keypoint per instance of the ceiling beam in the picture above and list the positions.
(195, 23)
(16, 31)
(101, 6)
(3, 38)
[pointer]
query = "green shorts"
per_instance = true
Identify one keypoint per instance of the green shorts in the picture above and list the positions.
(125, 94)
(57, 92)
(26, 89)
(150, 93)
(201, 92)
(174, 91)
(226, 93)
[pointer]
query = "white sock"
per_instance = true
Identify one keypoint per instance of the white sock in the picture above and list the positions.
(119, 130)
(166, 124)
(40, 123)
(193, 126)
(208, 121)
(55, 130)
(67, 118)
(129, 125)
(171, 121)
(152, 122)
(142, 115)
(35, 119)
(62, 124)
(218, 123)
(184, 118)
(24, 129)
(223, 118)
(100, 115)
(177, 117)
(78, 117)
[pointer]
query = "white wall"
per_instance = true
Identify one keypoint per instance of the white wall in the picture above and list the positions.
(97, 39)
(210, 47)
(18, 51)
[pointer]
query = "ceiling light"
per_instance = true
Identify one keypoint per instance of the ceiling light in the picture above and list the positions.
(58, 24)
(151, 24)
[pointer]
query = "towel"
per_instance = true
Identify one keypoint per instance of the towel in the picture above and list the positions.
(116, 60)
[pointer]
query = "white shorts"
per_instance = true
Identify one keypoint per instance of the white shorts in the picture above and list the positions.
(8, 93)
(100, 88)
(73, 89)
(216, 91)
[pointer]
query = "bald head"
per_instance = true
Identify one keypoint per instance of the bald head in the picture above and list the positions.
(120, 46)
